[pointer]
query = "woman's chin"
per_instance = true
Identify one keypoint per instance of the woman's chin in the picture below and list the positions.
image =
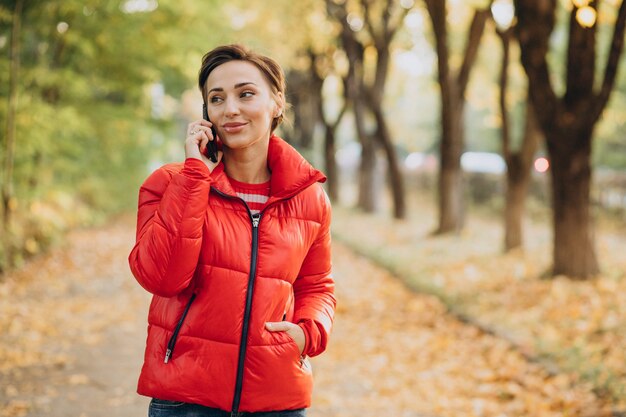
(235, 143)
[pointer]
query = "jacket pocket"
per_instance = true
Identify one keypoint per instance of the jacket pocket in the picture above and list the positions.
(172, 342)
(288, 340)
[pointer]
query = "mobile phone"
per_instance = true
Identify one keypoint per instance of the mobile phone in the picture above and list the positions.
(211, 147)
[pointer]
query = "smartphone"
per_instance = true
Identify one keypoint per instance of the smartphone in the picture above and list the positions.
(211, 147)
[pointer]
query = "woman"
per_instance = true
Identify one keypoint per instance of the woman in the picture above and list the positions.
(237, 255)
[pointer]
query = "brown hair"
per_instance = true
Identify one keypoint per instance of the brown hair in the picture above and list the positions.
(270, 69)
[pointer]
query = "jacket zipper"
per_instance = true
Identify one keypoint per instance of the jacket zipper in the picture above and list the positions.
(172, 341)
(246, 315)
(255, 219)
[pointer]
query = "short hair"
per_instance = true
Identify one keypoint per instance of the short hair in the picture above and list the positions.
(268, 67)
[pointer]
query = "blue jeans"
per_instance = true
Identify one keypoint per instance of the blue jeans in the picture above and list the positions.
(164, 408)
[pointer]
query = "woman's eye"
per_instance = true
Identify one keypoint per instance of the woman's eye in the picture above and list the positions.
(215, 99)
(247, 94)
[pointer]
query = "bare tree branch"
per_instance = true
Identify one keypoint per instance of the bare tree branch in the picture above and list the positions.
(343, 110)
(581, 52)
(505, 37)
(386, 16)
(396, 22)
(471, 49)
(377, 36)
(437, 11)
(535, 24)
(532, 133)
(610, 71)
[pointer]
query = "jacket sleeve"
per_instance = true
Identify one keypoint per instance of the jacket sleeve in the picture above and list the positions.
(314, 290)
(170, 218)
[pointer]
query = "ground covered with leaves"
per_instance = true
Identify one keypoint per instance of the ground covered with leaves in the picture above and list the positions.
(73, 324)
(573, 326)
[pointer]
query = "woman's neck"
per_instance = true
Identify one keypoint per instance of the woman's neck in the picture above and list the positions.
(248, 165)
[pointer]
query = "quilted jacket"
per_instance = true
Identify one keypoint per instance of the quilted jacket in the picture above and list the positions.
(218, 274)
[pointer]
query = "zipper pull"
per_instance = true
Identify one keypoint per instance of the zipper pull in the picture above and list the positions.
(255, 220)
(168, 353)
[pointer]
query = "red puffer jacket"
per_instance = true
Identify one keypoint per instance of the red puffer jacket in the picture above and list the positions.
(218, 274)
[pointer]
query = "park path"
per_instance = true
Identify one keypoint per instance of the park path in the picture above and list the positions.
(73, 328)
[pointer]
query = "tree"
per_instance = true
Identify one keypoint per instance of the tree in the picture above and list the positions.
(303, 98)
(366, 96)
(354, 91)
(568, 121)
(519, 163)
(320, 68)
(82, 128)
(518, 175)
(9, 152)
(392, 16)
(452, 86)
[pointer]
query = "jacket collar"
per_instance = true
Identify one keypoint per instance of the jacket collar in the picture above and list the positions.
(290, 172)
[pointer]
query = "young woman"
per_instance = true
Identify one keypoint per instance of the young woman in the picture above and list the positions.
(237, 255)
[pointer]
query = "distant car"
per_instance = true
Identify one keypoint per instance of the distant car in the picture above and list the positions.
(483, 163)
(421, 162)
(349, 155)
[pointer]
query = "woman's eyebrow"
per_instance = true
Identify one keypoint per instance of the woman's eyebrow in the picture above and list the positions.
(238, 85)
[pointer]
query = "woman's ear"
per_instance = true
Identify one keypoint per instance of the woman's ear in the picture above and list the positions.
(279, 99)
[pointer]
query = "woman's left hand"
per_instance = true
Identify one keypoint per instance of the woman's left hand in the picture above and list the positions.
(293, 330)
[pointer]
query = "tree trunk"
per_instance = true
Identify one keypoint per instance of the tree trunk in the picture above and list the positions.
(332, 172)
(7, 188)
(33, 177)
(304, 100)
(331, 164)
(317, 84)
(367, 192)
(374, 95)
(519, 170)
(367, 173)
(519, 164)
(453, 86)
(361, 93)
(574, 252)
(354, 82)
(568, 122)
(516, 189)
(451, 208)
(395, 174)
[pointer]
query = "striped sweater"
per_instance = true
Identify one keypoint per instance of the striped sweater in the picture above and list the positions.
(255, 195)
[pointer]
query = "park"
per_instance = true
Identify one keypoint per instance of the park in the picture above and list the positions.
(474, 156)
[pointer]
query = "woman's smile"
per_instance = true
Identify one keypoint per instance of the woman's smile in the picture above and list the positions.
(233, 127)
(242, 105)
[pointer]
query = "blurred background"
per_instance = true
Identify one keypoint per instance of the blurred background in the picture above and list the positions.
(474, 149)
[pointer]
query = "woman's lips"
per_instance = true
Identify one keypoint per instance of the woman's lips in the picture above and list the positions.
(234, 127)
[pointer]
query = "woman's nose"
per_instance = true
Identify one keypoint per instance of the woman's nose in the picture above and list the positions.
(231, 108)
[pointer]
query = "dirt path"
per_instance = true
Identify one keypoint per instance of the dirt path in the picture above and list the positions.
(77, 328)
(73, 328)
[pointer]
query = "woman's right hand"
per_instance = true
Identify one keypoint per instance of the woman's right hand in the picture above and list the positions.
(198, 136)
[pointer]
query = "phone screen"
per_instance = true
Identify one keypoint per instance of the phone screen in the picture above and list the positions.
(211, 148)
